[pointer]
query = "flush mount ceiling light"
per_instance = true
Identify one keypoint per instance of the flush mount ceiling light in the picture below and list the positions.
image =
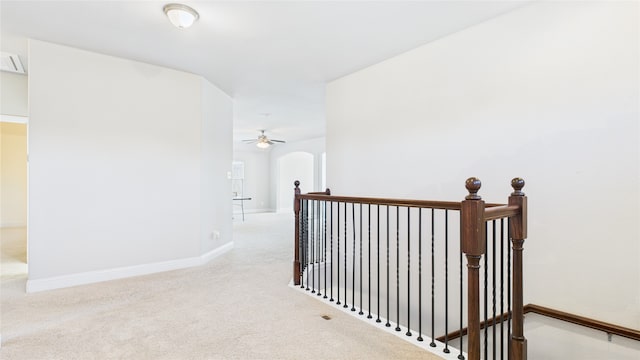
(180, 15)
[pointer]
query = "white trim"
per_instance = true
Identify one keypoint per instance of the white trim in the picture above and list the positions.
(14, 119)
(255, 211)
(206, 257)
(13, 225)
(90, 277)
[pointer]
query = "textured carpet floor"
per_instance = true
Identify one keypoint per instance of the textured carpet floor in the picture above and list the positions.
(238, 306)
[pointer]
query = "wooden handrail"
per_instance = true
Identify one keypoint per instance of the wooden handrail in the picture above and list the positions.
(449, 205)
(584, 321)
(559, 315)
(499, 212)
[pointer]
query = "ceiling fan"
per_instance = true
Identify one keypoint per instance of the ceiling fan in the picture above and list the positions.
(263, 141)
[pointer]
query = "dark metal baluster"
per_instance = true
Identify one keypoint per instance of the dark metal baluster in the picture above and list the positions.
(408, 271)
(338, 257)
(486, 299)
(460, 356)
(433, 280)
(398, 268)
(306, 242)
(324, 226)
(387, 324)
(319, 258)
(319, 244)
(331, 247)
(314, 254)
(420, 274)
(493, 264)
(502, 288)
(313, 247)
(353, 258)
(509, 283)
(360, 313)
(378, 271)
(446, 281)
(345, 255)
(301, 245)
(369, 253)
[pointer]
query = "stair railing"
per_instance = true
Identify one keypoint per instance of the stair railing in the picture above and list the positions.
(322, 221)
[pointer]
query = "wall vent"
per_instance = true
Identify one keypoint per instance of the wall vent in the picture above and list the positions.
(11, 63)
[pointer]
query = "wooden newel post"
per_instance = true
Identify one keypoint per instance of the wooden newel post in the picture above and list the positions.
(296, 245)
(518, 235)
(473, 243)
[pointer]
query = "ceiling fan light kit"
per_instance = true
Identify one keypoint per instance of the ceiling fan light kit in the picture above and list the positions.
(263, 141)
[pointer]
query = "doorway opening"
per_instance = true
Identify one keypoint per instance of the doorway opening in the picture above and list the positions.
(13, 203)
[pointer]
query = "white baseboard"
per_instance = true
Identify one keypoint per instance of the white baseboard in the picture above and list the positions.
(208, 256)
(254, 211)
(91, 277)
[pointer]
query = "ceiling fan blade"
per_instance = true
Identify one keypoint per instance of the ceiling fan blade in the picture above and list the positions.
(262, 139)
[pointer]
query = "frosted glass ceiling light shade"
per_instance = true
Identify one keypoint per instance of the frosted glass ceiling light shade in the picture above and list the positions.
(180, 15)
(262, 144)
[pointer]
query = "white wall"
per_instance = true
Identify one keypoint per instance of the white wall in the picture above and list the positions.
(549, 93)
(292, 167)
(215, 162)
(13, 174)
(257, 179)
(125, 163)
(13, 94)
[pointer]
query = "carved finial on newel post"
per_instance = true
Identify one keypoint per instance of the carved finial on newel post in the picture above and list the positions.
(296, 243)
(296, 192)
(517, 184)
(473, 184)
(473, 244)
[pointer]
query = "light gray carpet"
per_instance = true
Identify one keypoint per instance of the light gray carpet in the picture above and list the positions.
(238, 306)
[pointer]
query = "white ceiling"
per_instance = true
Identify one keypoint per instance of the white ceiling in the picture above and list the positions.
(271, 57)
